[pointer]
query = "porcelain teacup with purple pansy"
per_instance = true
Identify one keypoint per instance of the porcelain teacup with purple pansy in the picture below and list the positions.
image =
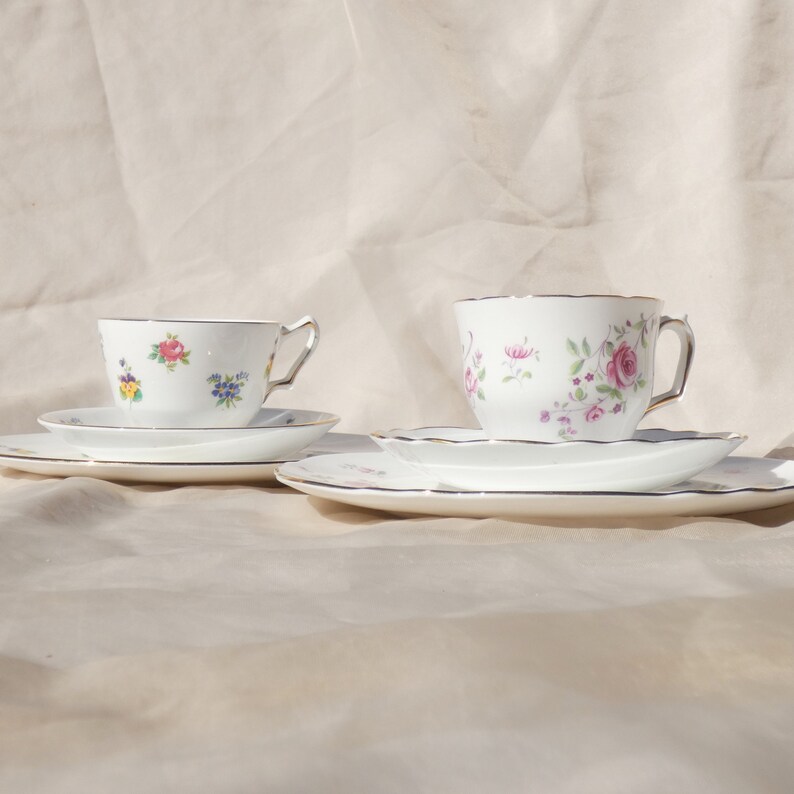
(565, 367)
(196, 373)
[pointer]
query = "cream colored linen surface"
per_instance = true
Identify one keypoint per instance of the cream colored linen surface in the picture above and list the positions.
(244, 639)
(369, 163)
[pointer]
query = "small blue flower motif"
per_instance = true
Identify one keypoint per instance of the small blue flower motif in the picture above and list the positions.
(227, 388)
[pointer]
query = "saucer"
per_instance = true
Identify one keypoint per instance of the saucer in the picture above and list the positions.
(380, 482)
(47, 455)
(102, 434)
(468, 459)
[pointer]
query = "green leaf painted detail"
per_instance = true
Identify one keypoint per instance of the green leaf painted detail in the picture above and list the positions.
(169, 352)
(613, 367)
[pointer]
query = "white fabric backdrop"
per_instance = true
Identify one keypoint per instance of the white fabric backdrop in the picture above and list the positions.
(369, 163)
(372, 162)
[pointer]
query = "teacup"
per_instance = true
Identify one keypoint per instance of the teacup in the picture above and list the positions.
(565, 367)
(196, 373)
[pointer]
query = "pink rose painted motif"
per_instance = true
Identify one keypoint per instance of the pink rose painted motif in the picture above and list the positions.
(170, 352)
(474, 373)
(594, 413)
(471, 382)
(600, 376)
(622, 369)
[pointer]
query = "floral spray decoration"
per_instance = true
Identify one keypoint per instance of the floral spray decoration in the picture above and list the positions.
(129, 385)
(474, 374)
(516, 356)
(227, 389)
(170, 352)
(602, 374)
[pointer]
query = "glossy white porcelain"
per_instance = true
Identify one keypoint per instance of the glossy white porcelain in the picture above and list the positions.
(565, 367)
(103, 434)
(380, 482)
(196, 373)
(47, 455)
(467, 459)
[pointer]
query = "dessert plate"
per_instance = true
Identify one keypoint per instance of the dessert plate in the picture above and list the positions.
(467, 459)
(101, 433)
(46, 454)
(381, 482)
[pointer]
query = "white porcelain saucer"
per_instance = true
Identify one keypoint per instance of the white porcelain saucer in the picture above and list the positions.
(467, 459)
(102, 434)
(47, 455)
(381, 482)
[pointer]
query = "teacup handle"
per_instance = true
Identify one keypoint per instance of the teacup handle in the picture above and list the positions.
(687, 340)
(311, 344)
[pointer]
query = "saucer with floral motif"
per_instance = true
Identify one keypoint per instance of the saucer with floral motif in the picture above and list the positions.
(467, 459)
(46, 455)
(379, 481)
(105, 434)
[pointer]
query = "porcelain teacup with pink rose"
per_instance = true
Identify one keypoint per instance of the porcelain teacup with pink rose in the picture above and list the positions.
(565, 367)
(197, 373)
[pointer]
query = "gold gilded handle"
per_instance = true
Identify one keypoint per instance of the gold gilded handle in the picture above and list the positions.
(687, 340)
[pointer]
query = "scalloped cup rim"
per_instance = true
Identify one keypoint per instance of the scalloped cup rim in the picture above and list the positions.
(559, 295)
(398, 434)
(656, 459)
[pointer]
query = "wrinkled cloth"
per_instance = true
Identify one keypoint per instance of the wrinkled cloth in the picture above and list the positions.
(252, 639)
(368, 164)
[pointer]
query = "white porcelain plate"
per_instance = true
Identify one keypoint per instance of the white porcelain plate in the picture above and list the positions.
(467, 459)
(45, 454)
(381, 482)
(102, 434)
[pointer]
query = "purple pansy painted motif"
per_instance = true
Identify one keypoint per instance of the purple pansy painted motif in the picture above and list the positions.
(129, 385)
(608, 372)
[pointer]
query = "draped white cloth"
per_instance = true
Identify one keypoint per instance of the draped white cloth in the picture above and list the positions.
(370, 163)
